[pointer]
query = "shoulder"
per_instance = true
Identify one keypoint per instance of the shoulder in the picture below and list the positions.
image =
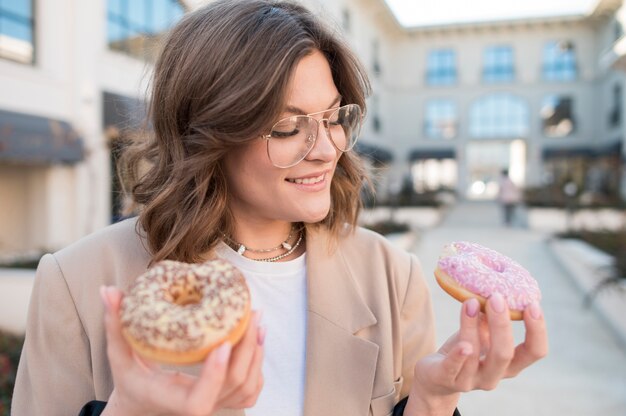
(121, 237)
(106, 256)
(369, 246)
(376, 263)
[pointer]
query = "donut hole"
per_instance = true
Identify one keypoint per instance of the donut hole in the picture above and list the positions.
(492, 264)
(183, 295)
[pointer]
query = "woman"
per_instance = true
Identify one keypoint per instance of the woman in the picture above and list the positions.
(255, 108)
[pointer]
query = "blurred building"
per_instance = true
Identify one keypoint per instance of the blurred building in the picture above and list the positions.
(456, 104)
(452, 105)
(73, 77)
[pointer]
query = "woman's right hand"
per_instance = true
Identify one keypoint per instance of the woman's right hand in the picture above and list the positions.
(228, 379)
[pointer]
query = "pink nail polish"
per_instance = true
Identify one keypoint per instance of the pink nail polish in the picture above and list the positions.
(497, 302)
(257, 318)
(472, 307)
(535, 310)
(261, 335)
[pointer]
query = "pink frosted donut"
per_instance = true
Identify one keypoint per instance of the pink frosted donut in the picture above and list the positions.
(468, 270)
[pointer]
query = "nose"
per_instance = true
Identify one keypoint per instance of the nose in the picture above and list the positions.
(323, 149)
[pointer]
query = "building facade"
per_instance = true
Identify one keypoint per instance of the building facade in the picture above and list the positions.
(451, 105)
(527, 95)
(69, 71)
(455, 105)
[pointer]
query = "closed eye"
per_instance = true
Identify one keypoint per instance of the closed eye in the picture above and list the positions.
(284, 134)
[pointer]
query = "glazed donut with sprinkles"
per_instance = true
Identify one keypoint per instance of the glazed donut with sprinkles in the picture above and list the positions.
(468, 270)
(177, 313)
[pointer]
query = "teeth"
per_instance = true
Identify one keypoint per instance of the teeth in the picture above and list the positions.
(307, 181)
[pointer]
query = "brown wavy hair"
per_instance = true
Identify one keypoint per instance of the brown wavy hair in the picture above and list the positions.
(219, 82)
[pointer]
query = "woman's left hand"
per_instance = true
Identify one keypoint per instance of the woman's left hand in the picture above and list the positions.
(477, 357)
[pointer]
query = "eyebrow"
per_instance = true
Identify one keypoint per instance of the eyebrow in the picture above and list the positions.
(296, 110)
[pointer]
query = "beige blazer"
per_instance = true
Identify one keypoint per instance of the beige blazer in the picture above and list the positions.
(369, 319)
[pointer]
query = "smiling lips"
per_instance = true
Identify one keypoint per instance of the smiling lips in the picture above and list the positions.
(307, 181)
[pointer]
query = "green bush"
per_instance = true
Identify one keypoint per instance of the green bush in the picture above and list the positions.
(10, 350)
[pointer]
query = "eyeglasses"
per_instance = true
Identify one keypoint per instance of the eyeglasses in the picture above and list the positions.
(291, 139)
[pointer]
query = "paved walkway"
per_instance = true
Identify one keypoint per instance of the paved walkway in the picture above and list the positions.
(585, 371)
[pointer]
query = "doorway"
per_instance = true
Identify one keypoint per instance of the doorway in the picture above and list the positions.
(485, 162)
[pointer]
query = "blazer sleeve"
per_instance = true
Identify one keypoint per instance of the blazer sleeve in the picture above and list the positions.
(417, 324)
(54, 374)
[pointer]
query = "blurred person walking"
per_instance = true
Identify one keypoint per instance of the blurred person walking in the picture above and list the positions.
(509, 196)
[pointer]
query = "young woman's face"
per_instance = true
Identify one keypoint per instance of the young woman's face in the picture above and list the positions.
(259, 190)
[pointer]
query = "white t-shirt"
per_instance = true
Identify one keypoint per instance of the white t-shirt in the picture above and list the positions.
(279, 291)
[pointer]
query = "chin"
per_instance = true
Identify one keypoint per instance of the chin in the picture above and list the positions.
(312, 217)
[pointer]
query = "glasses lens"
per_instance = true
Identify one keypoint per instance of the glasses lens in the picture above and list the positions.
(291, 139)
(345, 126)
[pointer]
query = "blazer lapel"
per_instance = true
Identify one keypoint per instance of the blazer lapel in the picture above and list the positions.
(340, 366)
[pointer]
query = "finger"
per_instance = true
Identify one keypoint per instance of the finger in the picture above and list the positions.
(203, 396)
(118, 350)
(535, 345)
(501, 350)
(470, 332)
(242, 357)
(246, 394)
(453, 363)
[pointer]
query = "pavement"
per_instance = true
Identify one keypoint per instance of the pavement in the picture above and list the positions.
(583, 375)
(585, 372)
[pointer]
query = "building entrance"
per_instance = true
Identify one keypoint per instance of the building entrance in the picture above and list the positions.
(485, 162)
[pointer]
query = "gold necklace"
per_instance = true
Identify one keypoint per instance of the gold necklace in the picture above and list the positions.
(242, 248)
(289, 252)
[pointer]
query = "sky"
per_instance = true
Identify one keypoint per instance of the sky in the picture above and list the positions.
(428, 12)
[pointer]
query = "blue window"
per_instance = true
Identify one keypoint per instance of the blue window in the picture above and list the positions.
(499, 116)
(441, 67)
(559, 62)
(557, 116)
(441, 119)
(17, 30)
(133, 26)
(498, 64)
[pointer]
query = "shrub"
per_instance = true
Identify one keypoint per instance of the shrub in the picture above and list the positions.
(10, 350)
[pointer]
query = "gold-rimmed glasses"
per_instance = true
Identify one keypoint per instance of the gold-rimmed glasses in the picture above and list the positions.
(291, 139)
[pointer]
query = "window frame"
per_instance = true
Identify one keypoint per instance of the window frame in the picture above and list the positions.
(494, 66)
(559, 70)
(481, 112)
(32, 23)
(430, 124)
(441, 72)
(132, 29)
(560, 97)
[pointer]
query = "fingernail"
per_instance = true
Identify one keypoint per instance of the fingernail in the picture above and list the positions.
(471, 307)
(261, 335)
(223, 353)
(257, 318)
(535, 310)
(105, 299)
(497, 302)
